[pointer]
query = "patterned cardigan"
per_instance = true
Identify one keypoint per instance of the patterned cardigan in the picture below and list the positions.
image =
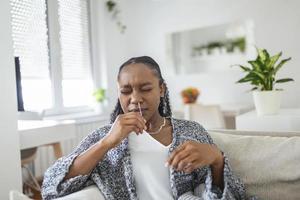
(114, 174)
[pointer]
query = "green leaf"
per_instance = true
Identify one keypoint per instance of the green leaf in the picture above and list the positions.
(99, 94)
(273, 60)
(280, 65)
(263, 69)
(258, 74)
(283, 80)
(110, 5)
(245, 79)
(255, 65)
(263, 54)
(256, 82)
(246, 69)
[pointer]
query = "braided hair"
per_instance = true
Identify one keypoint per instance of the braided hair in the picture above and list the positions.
(164, 107)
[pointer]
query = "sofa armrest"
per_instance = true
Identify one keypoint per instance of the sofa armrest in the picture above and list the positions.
(88, 193)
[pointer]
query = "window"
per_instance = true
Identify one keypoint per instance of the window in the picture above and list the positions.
(74, 39)
(30, 40)
(65, 83)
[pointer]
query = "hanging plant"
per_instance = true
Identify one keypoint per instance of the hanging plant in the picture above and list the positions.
(112, 7)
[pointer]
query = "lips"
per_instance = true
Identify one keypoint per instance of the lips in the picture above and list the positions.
(137, 110)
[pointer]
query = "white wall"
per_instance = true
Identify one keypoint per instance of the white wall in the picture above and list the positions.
(10, 171)
(109, 49)
(277, 25)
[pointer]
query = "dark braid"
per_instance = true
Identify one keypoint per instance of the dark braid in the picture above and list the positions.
(164, 107)
(118, 110)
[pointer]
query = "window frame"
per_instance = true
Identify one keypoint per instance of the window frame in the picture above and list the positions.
(55, 64)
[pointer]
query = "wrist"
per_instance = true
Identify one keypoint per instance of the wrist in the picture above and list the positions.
(107, 143)
(219, 160)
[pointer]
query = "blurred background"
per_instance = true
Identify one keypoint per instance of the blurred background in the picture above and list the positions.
(60, 58)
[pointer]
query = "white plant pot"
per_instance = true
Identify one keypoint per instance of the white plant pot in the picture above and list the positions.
(267, 102)
(100, 107)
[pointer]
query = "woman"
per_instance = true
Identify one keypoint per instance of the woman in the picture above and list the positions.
(144, 153)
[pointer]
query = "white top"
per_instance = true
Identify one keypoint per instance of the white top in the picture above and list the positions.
(148, 157)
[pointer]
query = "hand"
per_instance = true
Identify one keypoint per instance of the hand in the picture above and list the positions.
(123, 125)
(192, 155)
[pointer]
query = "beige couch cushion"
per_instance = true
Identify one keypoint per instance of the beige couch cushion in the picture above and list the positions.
(268, 165)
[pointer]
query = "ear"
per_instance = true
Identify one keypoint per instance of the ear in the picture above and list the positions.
(162, 89)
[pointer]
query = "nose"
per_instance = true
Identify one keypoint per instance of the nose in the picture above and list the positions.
(136, 97)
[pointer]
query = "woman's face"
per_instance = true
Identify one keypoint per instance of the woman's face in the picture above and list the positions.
(138, 84)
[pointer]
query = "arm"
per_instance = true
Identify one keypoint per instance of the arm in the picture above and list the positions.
(70, 174)
(87, 161)
(199, 155)
(217, 171)
(220, 181)
(233, 189)
(56, 183)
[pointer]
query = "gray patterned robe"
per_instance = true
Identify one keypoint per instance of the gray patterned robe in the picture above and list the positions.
(114, 174)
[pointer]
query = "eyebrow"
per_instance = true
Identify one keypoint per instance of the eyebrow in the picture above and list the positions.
(141, 85)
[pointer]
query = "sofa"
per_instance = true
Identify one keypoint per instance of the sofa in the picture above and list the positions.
(267, 162)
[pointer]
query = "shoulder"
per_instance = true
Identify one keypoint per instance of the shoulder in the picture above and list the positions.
(187, 126)
(187, 129)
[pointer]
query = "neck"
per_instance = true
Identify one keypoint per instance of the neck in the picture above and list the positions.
(154, 122)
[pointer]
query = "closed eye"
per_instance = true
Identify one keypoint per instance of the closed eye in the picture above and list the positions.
(146, 89)
(126, 92)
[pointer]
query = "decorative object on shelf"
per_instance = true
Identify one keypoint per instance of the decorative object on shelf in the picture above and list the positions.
(112, 7)
(262, 75)
(227, 46)
(190, 95)
(100, 98)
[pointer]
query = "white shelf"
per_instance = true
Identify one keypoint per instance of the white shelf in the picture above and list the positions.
(287, 120)
(216, 57)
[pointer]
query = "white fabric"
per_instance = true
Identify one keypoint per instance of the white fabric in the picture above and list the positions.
(268, 165)
(16, 195)
(148, 157)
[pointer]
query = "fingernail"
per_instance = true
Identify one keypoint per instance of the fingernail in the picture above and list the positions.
(166, 164)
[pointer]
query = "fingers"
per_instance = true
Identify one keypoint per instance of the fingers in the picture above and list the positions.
(132, 119)
(185, 163)
(173, 154)
(136, 130)
(136, 125)
(178, 156)
(190, 167)
(136, 116)
(185, 158)
(181, 160)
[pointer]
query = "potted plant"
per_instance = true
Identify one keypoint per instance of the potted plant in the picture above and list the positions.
(190, 95)
(262, 75)
(100, 98)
